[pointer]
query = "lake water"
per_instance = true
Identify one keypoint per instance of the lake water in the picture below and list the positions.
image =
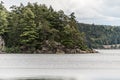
(104, 65)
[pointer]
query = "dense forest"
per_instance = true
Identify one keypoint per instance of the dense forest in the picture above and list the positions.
(38, 28)
(99, 35)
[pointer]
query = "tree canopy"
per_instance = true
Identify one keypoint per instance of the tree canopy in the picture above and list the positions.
(99, 35)
(29, 27)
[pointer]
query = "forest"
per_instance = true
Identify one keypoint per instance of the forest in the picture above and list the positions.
(99, 35)
(36, 28)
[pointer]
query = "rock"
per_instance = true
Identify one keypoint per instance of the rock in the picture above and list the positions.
(57, 43)
(52, 47)
(44, 48)
(2, 44)
(94, 51)
(73, 51)
(83, 52)
(59, 51)
(67, 50)
(49, 52)
(38, 51)
(78, 50)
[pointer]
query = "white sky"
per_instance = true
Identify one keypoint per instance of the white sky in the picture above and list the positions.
(87, 11)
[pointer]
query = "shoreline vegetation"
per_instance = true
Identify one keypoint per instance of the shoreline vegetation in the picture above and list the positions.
(36, 28)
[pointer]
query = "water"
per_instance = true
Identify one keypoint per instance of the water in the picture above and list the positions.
(101, 66)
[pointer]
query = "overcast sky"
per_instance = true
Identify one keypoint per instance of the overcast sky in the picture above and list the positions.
(87, 11)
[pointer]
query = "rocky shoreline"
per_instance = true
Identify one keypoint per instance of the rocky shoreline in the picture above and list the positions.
(67, 51)
(49, 47)
(58, 48)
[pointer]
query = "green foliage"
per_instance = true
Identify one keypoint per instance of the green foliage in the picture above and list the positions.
(29, 34)
(3, 19)
(13, 50)
(99, 35)
(30, 26)
(72, 38)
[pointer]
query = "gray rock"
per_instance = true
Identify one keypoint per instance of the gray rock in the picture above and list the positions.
(59, 51)
(83, 52)
(78, 50)
(44, 48)
(2, 44)
(73, 51)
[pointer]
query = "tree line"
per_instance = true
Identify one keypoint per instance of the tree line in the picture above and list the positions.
(28, 27)
(99, 35)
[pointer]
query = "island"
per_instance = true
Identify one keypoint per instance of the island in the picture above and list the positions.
(37, 28)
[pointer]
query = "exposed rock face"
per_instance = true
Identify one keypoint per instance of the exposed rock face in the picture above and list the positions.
(75, 51)
(50, 47)
(57, 48)
(59, 51)
(2, 44)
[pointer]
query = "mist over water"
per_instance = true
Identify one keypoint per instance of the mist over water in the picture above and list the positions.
(104, 65)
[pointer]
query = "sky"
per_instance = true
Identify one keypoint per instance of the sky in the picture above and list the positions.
(104, 12)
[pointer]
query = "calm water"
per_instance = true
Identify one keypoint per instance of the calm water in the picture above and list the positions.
(101, 66)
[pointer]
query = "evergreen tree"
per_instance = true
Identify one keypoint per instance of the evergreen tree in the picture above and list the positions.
(3, 19)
